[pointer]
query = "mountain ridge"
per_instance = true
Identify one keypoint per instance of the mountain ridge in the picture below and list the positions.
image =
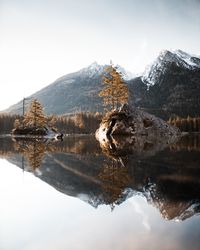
(178, 57)
(171, 84)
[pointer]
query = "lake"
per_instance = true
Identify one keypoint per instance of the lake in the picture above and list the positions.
(77, 195)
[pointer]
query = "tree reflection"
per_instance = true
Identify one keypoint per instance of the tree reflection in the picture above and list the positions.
(33, 150)
(169, 179)
(114, 178)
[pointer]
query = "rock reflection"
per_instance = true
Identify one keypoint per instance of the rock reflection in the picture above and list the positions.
(169, 177)
(188, 143)
(140, 146)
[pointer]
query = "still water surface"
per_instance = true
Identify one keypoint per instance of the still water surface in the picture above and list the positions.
(77, 195)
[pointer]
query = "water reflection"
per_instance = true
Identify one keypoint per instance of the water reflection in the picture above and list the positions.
(115, 179)
(33, 150)
(168, 176)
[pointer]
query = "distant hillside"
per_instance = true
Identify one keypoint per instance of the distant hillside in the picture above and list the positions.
(170, 86)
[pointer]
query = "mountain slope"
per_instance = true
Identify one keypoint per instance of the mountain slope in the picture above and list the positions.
(170, 86)
(72, 92)
(166, 59)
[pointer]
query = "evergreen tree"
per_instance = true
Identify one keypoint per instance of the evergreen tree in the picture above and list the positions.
(115, 92)
(35, 117)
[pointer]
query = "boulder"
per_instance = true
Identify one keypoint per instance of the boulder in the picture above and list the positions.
(136, 125)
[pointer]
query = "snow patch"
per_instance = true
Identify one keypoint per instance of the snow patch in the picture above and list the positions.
(92, 70)
(97, 69)
(126, 75)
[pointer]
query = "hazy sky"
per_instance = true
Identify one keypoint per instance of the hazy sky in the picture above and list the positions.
(42, 40)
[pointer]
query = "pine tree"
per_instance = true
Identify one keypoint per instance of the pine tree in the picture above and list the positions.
(115, 92)
(35, 117)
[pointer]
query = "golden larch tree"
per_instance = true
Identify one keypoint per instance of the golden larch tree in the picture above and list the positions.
(35, 117)
(115, 91)
(114, 179)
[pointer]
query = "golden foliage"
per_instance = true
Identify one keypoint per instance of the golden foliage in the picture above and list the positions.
(79, 123)
(114, 178)
(33, 150)
(115, 91)
(35, 117)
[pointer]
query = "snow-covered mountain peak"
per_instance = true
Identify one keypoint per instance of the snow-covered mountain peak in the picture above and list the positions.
(125, 74)
(166, 57)
(93, 69)
(97, 69)
(93, 66)
(190, 60)
(182, 53)
(180, 57)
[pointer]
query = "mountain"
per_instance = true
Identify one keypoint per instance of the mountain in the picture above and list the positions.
(72, 92)
(169, 86)
(176, 58)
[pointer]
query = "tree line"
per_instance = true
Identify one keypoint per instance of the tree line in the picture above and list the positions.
(78, 123)
(7, 122)
(188, 124)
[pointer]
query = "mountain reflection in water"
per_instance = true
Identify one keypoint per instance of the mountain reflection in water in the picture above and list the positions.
(168, 176)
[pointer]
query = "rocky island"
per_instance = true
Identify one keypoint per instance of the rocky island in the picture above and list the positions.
(35, 123)
(127, 126)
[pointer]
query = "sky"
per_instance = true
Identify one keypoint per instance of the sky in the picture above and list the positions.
(42, 40)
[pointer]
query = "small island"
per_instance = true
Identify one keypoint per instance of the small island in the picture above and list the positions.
(35, 123)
